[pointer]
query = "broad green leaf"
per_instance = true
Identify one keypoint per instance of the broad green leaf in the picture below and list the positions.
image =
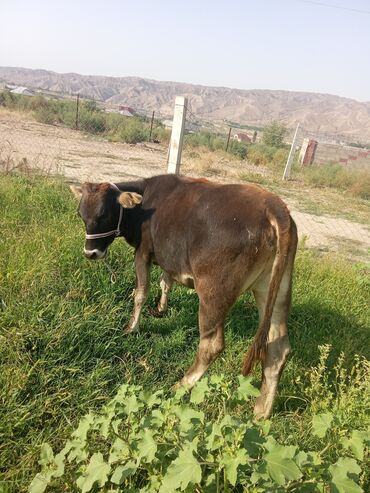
(77, 451)
(123, 472)
(229, 422)
(83, 427)
(199, 391)
(344, 466)
(46, 455)
(79, 436)
(153, 485)
(180, 392)
(115, 424)
(215, 439)
(104, 422)
(257, 475)
(120, 397)
(264, 426)
(312, 488)
(280, 465)
(96, 472)
(210, 484)
(321, 423)
(59, 463)
(345, 485)
(157, 417)
(355, 443)
(149, 398)
(188, 417)
(119, 451)
(315, 457)
(40, 482)
(216, 380)
(182, 471)
(302, 459)
(246, 389)
(253, 441)
(231, 463)
(339, 471)
(147, 447)
(132, 405)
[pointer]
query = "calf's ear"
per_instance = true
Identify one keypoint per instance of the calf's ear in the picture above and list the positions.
(77, 191)
(129, 199)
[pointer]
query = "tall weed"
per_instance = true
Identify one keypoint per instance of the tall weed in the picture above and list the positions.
(356, 181)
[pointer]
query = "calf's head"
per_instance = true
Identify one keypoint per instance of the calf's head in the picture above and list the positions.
(102, 210)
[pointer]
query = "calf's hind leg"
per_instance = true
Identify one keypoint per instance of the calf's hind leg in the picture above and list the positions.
(278, 347)
(165, 284)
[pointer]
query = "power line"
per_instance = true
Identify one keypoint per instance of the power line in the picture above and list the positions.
(322, 4)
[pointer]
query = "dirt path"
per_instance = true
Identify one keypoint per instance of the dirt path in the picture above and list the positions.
(83, 157)
(80, 157)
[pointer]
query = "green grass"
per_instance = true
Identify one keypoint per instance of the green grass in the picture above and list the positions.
(62, 351)
(315, 200)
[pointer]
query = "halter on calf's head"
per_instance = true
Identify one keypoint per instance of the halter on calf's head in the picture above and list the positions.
(101, 208)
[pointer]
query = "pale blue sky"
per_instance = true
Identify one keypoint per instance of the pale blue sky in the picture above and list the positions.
(260, 44)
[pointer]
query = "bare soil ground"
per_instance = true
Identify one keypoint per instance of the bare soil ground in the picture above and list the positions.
(81, 157)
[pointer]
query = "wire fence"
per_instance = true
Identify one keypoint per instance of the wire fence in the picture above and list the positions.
(82, 156)
(125, 123)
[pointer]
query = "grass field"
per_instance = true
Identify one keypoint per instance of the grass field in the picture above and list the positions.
(62, 351)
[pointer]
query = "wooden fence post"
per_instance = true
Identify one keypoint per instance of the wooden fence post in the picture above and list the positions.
(151, 126)
(228, 140)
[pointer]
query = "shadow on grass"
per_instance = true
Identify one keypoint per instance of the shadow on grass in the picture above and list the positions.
(173, 339)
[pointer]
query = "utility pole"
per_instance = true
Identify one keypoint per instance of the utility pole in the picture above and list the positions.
(289, 161)
(177, 135)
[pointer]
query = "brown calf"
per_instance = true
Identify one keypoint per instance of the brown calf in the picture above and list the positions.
(221, 240)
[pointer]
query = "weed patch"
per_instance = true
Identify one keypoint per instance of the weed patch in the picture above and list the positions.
(62, 352)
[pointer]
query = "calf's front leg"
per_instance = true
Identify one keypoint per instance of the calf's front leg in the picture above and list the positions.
(142, 268)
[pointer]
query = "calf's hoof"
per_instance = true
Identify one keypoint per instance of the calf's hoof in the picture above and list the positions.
(261, 410)
(129, 330)
(155, 312)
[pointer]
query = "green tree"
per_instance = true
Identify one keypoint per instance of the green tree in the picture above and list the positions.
(274, 133)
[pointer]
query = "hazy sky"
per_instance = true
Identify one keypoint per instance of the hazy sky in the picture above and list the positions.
(260, 44)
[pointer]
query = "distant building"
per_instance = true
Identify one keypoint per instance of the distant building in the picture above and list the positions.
(241, 137)
(126, 111)
(20, 90)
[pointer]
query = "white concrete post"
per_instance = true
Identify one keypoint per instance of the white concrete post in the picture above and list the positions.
(303, 150)
(288, 165)
(177, 135)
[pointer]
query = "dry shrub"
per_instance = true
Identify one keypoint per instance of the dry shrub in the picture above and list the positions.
(355, 181)
(39, 165)
(202, 161)
(264, 155)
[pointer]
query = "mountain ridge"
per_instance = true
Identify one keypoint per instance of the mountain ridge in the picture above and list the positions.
(317, 112)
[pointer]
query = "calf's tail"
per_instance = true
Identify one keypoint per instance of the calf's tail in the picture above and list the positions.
(281, 222)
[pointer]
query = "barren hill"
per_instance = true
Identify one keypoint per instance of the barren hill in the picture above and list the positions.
(316, 112)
